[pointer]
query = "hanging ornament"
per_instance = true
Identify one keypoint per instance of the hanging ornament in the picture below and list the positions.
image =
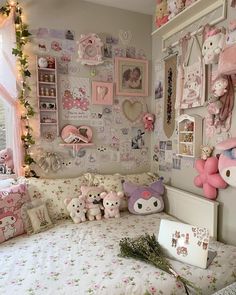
(125, 37)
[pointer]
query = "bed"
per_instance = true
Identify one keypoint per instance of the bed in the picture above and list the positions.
(83, 259)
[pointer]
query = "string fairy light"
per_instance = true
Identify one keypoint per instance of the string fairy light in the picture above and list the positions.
(22, 38)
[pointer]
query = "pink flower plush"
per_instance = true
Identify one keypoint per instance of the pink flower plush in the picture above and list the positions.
(209, 178)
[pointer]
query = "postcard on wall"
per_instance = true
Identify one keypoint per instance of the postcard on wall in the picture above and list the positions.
(74, 95)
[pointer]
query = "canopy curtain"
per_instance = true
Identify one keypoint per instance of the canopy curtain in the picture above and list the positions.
(8, 88)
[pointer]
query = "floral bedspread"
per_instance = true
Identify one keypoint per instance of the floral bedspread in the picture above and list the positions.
(83, 259)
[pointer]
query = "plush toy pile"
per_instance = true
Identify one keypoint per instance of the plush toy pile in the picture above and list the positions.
(94, 203)
(6, 161)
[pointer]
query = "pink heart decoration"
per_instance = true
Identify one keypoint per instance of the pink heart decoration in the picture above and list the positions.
(73, 134)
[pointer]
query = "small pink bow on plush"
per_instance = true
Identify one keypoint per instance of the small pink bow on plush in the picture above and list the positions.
(212, 32)
(209, 178)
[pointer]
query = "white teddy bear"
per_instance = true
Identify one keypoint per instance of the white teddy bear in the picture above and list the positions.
(76, 208)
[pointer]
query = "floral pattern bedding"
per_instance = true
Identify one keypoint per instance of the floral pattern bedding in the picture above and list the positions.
(83, 260)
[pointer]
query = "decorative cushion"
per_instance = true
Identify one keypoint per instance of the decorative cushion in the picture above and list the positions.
(53, 192)
(11, 200)
(145, 199)
(39, 218)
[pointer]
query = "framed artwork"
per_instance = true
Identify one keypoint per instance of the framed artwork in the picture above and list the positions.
(131, 76)
(102, 93)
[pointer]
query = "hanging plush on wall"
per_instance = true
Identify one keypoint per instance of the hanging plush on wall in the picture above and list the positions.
(209, 178)
(213, 45)
(148, 121)
(161, 13)
(227, 160)
(220, 106)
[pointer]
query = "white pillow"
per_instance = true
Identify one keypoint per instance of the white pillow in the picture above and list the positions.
(6, 182)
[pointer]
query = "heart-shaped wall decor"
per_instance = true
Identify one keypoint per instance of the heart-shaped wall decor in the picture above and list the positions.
(132, 110)
(101, 92)
(71, 134)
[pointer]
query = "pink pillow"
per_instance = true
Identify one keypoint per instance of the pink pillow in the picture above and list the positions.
(11, 200)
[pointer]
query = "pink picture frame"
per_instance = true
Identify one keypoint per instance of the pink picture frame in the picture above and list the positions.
(102, 93)
(131, 76)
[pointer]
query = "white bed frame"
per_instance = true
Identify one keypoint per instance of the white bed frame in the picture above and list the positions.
(192, 209)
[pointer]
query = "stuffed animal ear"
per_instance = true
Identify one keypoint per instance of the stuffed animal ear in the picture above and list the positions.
(120, 194)
(81, 197)
(158, 187)
(103, 195)
(84, 190)
(67, 201)
(129, 187)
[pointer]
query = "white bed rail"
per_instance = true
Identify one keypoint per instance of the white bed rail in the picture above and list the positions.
(192, 209)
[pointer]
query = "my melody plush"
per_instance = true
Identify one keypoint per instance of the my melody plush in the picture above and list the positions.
(6, 158)
(145, 199)
(76, 208)
(111, 203)
(161, 13)
(148, 121)
(175, 7)
(93, 200)
(213, 45)
(227, 160)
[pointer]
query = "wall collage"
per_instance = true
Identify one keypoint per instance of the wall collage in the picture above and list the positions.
(118, 134)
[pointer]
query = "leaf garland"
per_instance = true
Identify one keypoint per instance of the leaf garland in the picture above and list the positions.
(22, 38)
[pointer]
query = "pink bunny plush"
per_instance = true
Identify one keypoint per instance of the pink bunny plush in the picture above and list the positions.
(111, 204)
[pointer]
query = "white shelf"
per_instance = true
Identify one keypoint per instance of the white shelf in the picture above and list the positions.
(47, 69)
(43, 110)
(183, 142)
(43, 96)
(187, 132)
(190, 15)
(44, 123)
(185, 155)
(48, 83)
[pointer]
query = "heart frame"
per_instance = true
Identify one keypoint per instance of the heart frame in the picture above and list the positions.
(102, 93)
(133, 110)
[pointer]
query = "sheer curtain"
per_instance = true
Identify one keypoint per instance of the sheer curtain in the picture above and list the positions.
(8, 88)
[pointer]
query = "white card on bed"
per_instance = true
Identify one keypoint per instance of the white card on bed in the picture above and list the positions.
(185, 243)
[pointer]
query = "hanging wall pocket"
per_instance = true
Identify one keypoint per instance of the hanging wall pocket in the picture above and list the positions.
(194, 79)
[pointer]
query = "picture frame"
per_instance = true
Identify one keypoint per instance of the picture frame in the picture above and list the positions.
(102, 93)
(131, 76)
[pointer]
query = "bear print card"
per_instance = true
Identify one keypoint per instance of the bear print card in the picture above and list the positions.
(185, 243)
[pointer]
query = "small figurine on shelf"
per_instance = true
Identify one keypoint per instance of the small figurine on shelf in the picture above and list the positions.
(45, 78)
(46, 92)
(52, 92)
(51, 78)
(185, 149)
(188, 126)
(42, 91)
(42, 62)
(51, 62)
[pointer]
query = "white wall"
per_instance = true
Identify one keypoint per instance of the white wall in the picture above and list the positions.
(183, 178)
(83, 17)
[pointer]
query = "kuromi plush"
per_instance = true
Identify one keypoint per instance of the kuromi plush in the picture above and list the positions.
(145, 199)
(227, 160)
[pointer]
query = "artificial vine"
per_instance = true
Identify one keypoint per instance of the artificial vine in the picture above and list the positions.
(22, 38)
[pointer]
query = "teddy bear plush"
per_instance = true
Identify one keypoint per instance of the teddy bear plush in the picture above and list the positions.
(161, 13)
(6, 158)
(206, 152)
(93, 200)
(111, 204)
(213, 45)
(148, 120)
(174, 7)
(76, 208)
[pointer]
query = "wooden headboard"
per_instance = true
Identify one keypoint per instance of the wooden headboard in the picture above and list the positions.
(192, 209)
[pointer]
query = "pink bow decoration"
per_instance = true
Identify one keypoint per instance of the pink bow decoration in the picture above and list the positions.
(212, 32)
(69, 102)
